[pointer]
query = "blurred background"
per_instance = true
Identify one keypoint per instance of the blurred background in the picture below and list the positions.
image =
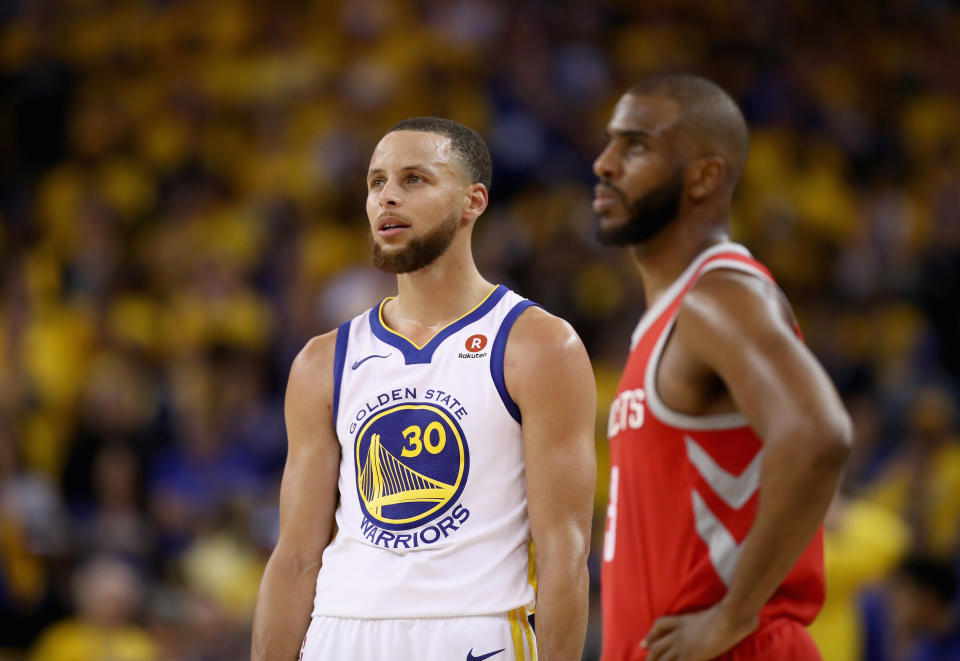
(181, 208)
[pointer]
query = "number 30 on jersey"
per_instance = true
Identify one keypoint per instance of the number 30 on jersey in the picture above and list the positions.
(433, 438)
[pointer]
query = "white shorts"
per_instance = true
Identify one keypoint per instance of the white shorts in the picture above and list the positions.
(507, 637)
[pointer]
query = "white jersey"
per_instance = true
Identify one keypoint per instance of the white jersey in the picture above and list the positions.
(432, 518)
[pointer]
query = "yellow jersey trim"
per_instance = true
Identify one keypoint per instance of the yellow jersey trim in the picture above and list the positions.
(531, 643)
(518, 650)
(532, 573)
(420, 347)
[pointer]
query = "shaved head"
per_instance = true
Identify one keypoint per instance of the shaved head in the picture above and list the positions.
(710, 120)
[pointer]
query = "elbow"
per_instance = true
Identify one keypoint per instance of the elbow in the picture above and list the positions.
(568, 556)
(833, 443)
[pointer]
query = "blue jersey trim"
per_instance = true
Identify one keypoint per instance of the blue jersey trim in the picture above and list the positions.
(339, 358)
(497, 353)
(414, 355)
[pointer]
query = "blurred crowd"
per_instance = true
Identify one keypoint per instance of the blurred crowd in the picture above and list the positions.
(181, 208)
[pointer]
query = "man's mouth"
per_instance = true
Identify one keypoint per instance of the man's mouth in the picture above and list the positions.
(604, 198)
(603, 191)
(390, 225)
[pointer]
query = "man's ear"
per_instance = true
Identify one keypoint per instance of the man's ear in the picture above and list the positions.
(705, 176)
(477, 201)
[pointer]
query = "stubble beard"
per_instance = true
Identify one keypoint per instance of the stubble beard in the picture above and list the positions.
(420, 251)
(649, 215)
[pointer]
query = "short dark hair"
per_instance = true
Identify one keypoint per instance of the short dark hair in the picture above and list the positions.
(467, 143)
(708, 111)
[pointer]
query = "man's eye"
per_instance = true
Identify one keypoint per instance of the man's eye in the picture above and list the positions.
(415, 179)
(376, 183)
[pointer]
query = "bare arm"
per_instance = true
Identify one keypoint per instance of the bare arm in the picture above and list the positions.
(737, 327)
(308, 497)
(548, 375)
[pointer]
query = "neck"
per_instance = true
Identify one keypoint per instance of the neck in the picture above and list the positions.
(440, 292)
(664, 257)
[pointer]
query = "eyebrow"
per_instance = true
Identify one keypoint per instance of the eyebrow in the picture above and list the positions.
(628, 133)
(404, 169)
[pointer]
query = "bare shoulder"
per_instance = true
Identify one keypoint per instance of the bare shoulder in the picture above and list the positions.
(536, 332)
(317, 352)
(312, 369)
(727, 304)
(543, 351)
(539, 336)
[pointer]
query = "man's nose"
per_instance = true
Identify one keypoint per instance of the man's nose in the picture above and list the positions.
(390, 194)
(607, 165)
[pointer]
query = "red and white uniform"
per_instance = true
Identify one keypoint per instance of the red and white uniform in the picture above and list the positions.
(683, 495)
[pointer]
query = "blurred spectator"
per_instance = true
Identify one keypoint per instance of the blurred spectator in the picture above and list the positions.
(922, 480)
(222, 565)
(114, 522)
(191, 625)
(32, 542)
(206, 470)
(926, 624)
(862, 543)
(107, 595)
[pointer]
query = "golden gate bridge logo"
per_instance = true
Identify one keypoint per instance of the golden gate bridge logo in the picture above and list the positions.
(412, 463)
(385, 480)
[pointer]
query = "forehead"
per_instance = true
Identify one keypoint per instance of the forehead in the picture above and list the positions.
(640, 112)
(401, 149)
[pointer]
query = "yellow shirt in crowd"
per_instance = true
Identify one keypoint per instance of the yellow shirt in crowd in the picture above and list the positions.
(863, 547)
(73, 640)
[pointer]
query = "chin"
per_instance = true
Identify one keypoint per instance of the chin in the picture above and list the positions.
(609, 223)
(391, 246)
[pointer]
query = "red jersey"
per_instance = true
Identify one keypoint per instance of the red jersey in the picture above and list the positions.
(683, 493)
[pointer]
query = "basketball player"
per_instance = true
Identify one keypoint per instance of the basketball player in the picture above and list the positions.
(443, 430)
(727, 438)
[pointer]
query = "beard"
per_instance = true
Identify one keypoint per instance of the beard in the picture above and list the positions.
(648, 215)
(420, 251)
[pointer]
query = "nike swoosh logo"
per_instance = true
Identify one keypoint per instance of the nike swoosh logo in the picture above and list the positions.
(471, 657)
(363, 360)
